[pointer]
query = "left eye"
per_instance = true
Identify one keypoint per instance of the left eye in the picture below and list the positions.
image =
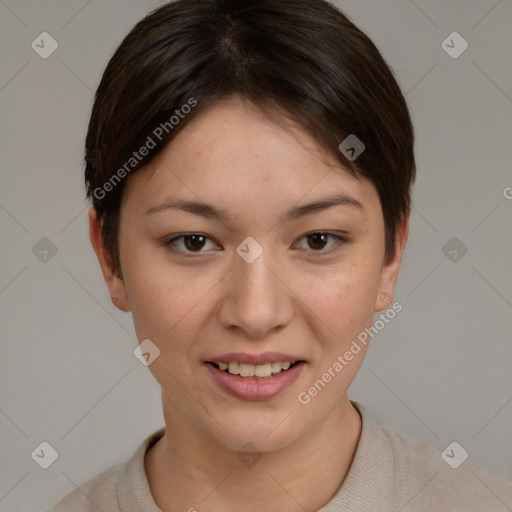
(318, 240)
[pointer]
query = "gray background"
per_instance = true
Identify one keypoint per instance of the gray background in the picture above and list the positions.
(440, 371)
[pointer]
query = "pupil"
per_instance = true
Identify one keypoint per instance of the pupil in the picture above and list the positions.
(317, 238)
(195, 238)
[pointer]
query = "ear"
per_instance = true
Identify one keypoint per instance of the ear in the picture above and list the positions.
(115, 284)
(389, 274)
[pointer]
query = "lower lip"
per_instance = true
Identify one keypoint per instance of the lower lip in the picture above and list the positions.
(256, 388)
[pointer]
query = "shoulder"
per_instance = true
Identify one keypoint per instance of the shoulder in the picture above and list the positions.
(100, 492)
(122, 487)
(426, 479)
(392, 471)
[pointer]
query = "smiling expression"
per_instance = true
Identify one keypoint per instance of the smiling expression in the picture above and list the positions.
(316, 282)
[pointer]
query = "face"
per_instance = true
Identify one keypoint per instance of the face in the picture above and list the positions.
(267, 273)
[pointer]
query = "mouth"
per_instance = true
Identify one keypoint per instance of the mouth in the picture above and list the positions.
(260, 377)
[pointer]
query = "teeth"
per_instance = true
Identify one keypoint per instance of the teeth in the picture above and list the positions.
(246, 370)
(276, 367)
(233, 368)
(258, 370)
(263, 370)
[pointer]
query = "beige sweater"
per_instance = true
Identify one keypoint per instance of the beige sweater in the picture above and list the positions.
(390, 472)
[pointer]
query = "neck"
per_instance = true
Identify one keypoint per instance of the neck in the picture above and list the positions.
(187, 470)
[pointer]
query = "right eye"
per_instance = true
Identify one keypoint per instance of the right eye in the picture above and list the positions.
(189, 243)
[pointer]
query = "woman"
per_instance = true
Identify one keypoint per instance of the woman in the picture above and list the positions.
(250, 165)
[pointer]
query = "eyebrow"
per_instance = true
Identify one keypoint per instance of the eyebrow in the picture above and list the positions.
(212, 212)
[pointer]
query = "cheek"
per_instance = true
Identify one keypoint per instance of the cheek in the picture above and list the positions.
(170, 305)
(344, 298)
(159, 298)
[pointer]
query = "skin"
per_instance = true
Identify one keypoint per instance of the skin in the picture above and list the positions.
(300, 296)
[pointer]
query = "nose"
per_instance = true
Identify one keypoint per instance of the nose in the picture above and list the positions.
(255, 299)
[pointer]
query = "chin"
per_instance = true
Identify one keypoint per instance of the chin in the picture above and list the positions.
(267, 432)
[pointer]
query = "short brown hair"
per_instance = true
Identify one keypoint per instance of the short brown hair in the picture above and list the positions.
(303, 57)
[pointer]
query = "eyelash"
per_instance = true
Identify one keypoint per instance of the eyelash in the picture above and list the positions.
(341, 240)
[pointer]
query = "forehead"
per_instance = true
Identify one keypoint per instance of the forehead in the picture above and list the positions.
(234, 153)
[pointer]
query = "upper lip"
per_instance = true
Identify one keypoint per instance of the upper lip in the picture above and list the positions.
(246, 358)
